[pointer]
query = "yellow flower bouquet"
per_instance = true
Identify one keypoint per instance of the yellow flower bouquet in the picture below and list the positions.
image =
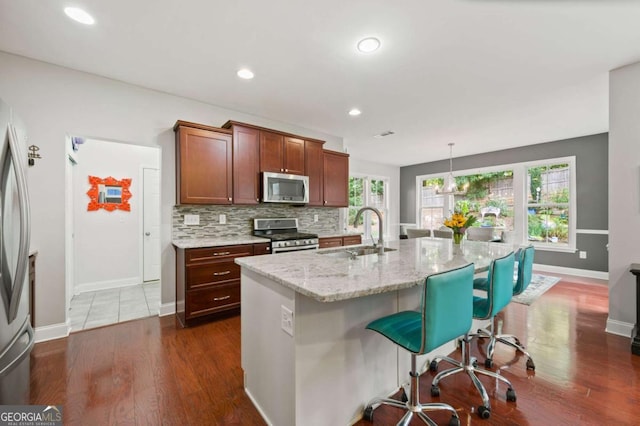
(459, 223)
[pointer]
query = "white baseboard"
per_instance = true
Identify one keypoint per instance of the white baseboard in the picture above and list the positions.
(257, 406)
(167, 309)
(587, 273)
(51, 332)
(620, 328)
(106, 285)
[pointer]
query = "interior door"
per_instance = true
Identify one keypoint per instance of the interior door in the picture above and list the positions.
(151, 224)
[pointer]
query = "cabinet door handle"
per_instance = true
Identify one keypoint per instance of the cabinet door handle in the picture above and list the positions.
(221, 273)
(222, 253)
(229, 198)
(286, 170)
(282, 170)
(217, 299)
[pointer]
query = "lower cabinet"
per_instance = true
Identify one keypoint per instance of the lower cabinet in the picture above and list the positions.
(339, 241)
(208, 281)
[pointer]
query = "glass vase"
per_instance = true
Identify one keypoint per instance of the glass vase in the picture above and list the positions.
(457, 237)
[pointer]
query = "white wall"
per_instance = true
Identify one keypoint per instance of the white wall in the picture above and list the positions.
(393, 173)
(624, 195)
(54, 102)
(107, 243)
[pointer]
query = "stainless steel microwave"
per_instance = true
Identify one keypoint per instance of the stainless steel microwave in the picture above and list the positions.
(285, 188)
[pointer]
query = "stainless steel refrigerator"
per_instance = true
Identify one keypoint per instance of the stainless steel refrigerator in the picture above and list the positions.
(16, 333)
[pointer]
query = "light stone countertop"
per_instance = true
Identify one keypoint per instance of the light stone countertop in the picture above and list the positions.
(333, 276)
(187, 243)
(338, 234)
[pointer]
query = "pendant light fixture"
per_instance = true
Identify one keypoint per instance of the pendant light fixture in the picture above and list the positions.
(450, 187)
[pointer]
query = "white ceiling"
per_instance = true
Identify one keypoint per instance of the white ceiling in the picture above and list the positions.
(485, 74)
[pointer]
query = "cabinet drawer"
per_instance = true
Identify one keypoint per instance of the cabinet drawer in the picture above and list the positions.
(261, 248)
(330, 242)
(211, 273)
(213, 299)
(214, 253)
(352, 240)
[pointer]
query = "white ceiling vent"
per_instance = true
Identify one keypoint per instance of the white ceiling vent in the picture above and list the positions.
(383, 134)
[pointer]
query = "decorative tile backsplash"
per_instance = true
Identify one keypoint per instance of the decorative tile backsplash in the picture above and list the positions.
(240, 219)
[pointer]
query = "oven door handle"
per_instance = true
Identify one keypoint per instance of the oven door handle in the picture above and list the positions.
(296, 248)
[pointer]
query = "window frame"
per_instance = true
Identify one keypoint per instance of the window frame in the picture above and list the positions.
(367, 178)
(520, 198)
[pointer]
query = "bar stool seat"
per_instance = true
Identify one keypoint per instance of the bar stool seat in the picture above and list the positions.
(445, 315)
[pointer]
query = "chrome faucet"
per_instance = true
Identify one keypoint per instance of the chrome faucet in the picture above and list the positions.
(380, 246)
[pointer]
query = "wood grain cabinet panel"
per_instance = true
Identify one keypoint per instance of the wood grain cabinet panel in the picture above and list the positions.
(293, 156)
(336, 179)
(261, 248)
(271, 152)
(330, 242)
(204, 165)
(351, 240)
(208, 281)
(246, 165)
(314, 166)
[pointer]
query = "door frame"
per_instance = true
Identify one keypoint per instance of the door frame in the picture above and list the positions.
(141, 215)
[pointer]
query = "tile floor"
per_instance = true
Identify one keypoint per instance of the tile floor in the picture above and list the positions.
(103, 307)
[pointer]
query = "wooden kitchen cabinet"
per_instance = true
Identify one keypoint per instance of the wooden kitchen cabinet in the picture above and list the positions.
(348, 240)
(204, 166)
(246, 165)
(281, 154)
(261, 248)
(314, 168)
(335, 179)
(208, 281)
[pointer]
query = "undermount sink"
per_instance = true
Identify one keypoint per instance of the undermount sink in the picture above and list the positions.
(354, 252)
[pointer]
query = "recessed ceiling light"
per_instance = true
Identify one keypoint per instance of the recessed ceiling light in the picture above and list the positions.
(354, 112)
(368, 45)
(245, 73)
(79, 15)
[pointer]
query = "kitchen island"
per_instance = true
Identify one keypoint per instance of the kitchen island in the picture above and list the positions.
(306, 355)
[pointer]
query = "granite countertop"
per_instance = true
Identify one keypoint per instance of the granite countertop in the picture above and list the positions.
(338, 234)
(186, 243)
(333, 276)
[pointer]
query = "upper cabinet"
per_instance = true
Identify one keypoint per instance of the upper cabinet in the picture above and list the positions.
(246, 165)
(281, 154)
(336, 179)
(204, 158)
(314, 168)
(223, 165)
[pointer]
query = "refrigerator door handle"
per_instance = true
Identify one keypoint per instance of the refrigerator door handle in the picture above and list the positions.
(26, 328)
(23, 202)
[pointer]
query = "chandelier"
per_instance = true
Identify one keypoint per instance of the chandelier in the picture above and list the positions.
(450, 187)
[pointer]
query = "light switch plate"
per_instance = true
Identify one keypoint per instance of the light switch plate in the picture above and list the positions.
(315, 217)
(222, 219)
(192, 219)
(583, 255)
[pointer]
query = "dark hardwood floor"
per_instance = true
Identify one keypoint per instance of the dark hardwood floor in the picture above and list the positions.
(150, 371)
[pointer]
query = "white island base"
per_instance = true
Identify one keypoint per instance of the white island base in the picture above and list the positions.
(331, 366)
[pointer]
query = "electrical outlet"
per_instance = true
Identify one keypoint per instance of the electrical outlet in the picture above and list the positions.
(192, 219)
(583, 255)
(315, 217)
(223, 219)
(286, 321)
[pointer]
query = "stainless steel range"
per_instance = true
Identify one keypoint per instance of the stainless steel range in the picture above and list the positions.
(284, 235)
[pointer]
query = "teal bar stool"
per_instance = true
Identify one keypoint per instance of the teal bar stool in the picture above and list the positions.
(498, 296)
(523, 278)
(445, 314)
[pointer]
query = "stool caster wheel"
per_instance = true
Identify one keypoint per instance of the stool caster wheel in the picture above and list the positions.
(454, 421)
(403, 397)
(530, 364)
(484, 412)
(435, 390)
(433, 366)
(511, 395)
(368, 414)
(488, 363)
(474, 362)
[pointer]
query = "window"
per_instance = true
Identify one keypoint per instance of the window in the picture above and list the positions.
(548, 207)
(534, 201)
(372, 192)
